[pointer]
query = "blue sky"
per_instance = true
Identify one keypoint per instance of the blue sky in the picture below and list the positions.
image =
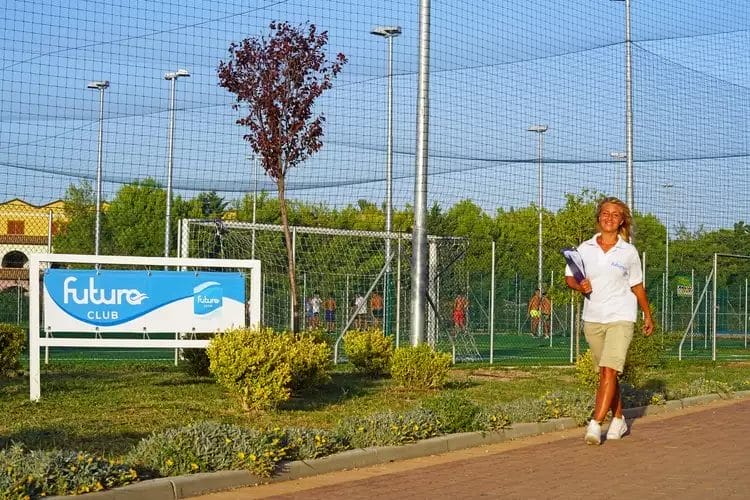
(496, 68)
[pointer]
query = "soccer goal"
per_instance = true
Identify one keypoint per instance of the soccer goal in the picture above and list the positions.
(344, 277)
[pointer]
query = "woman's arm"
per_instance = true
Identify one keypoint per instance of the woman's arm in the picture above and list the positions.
(640, 294)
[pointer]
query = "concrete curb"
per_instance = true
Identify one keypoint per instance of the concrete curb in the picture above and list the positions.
(180, 487)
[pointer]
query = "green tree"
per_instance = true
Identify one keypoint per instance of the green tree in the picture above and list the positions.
(516, 248)
(211, 205)
(135, 219)
(280, 78)
(77, 233)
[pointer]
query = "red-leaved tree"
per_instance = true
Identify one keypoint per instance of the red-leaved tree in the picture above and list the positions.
(278, 78)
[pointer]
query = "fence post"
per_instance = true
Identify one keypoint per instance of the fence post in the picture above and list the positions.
(492, 307)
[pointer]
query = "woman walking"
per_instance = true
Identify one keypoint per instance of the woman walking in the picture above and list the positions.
(614, 280)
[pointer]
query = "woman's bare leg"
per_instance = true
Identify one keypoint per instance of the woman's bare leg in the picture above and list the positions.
(605, 394)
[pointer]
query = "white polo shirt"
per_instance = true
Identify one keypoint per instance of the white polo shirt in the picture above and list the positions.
(611, 274)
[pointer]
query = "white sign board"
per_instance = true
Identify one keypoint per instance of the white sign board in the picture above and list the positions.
(142, 301)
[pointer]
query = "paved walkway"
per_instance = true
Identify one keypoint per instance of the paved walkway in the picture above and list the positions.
(700, 452)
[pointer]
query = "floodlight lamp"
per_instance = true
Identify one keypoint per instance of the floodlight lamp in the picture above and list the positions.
(173, 75)
(538, 128)
(618, 155)
(98, 84)
(386, 31)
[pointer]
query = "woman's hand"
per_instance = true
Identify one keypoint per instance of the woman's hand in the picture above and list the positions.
(648, 326)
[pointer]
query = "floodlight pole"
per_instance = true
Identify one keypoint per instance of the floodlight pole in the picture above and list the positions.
(389, 33)
(540, 130)
(101, 86)
(172, 77)
(618, 156)
(419, 276)
(628, 110)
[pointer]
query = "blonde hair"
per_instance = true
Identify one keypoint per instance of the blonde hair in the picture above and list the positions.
(626, 224)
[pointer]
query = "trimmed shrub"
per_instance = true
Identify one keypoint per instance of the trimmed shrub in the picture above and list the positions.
(208, 447)
(370, 351)
(252, 365)
(309, 358)
(454, 412)
(389, 428)
(587, 374)
(420, 367)
(34, 474)
(12, 339)
(196, 362)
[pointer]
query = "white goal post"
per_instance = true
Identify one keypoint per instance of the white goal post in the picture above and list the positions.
(40, 262)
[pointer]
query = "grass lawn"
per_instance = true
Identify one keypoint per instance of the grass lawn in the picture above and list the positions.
(107, 407)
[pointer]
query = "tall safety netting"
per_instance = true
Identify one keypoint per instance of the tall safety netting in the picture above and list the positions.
(114, 126)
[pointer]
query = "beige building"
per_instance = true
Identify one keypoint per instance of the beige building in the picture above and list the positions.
(25, 229)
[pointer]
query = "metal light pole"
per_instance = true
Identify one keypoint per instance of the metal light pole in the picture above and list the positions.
(665, 306)
(618, 156)
(628, 110)
(389, 33)
(172, 77)
(419, 276)
(539, 130)
(99, 85)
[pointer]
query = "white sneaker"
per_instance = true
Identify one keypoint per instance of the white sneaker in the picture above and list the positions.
(617, 428)
(593, 433)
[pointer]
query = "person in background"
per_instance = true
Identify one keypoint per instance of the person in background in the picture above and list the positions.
(460, 310)
(614, 281)
(329, 306)
(315, 303)
(308, 313)
(534, 312)
(545, 310)
(360, 312)
(376, 307)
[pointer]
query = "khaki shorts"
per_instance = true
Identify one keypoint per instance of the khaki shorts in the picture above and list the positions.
(609, 342)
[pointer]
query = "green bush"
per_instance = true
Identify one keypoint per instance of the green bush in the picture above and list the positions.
(34, 474)
(196, 362)
(491, 419)
(252, 365)
(644, 353)
(208, 447)
(455, 413)
(12, 339)
(587, 374)
(700, 387)
(305, 444)
(641, 396)
(309, 358)
(573, 404)
(389, 428)
(420, 367)
(370, 351)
